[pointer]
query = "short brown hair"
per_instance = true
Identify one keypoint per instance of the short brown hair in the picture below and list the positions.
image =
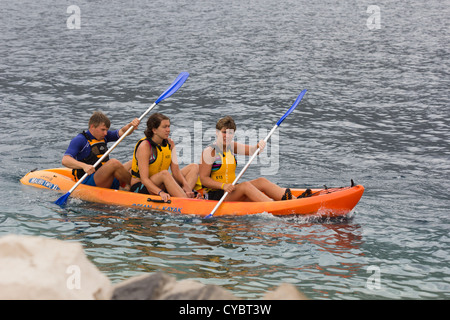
(226, 122)
(98, 118)
(153, 122)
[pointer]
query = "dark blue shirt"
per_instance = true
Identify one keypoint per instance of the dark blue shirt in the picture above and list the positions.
(79, 148)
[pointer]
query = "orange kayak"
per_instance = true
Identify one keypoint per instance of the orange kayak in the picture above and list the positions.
(331, 202)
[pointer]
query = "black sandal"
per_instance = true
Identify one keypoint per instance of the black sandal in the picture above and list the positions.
(305, 194)
(287, 195)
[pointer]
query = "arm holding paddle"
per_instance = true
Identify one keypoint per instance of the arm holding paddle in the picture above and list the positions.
(133, 124)
(72, 163)
(247, 150)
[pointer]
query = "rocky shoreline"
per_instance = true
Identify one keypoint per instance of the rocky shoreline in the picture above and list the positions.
(48, 269)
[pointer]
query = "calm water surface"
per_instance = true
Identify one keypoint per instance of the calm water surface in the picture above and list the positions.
(376, 111)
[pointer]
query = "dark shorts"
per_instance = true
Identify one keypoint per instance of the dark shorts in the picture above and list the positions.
(139, 188)
(215, 194)
(91, 182)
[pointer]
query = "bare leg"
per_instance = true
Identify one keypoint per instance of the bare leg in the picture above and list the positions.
(127, 165)
(112, 169)
(166, 180)
(246, 191)
(269, 188)
(190, 173)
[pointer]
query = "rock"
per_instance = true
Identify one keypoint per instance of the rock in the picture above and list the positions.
(193, 290)
(144, 287)
(285, 291)
(42, 268)
(45, 269)
(159, 286)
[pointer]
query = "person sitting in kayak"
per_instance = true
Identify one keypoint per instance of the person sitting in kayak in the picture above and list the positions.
(218, 166)
(152, 158)
(87, 147)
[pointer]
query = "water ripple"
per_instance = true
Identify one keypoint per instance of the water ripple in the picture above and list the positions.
(376, 111)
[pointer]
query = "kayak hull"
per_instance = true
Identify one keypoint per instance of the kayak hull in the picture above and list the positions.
(333, 202)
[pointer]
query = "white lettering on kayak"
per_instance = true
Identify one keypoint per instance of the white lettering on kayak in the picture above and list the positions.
(164, 208)
(44, 183)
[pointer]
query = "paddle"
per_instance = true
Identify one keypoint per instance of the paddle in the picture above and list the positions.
(171, 90)
(297, 101)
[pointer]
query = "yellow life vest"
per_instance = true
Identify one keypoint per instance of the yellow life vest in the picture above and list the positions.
(160, 160)
(224, 167)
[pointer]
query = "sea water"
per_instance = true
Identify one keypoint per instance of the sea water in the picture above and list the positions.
(376, 111)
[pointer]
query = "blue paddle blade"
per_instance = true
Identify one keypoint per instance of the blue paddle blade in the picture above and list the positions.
(182, 77)
(62, 200)
(297, 101)
(208, 216)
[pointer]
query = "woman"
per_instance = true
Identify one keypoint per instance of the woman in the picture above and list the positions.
(218, 169)
(152, 158)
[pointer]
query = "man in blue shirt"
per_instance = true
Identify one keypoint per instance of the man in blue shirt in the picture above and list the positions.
(86, 148)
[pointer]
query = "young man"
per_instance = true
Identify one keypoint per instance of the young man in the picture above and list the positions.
(87, 147)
